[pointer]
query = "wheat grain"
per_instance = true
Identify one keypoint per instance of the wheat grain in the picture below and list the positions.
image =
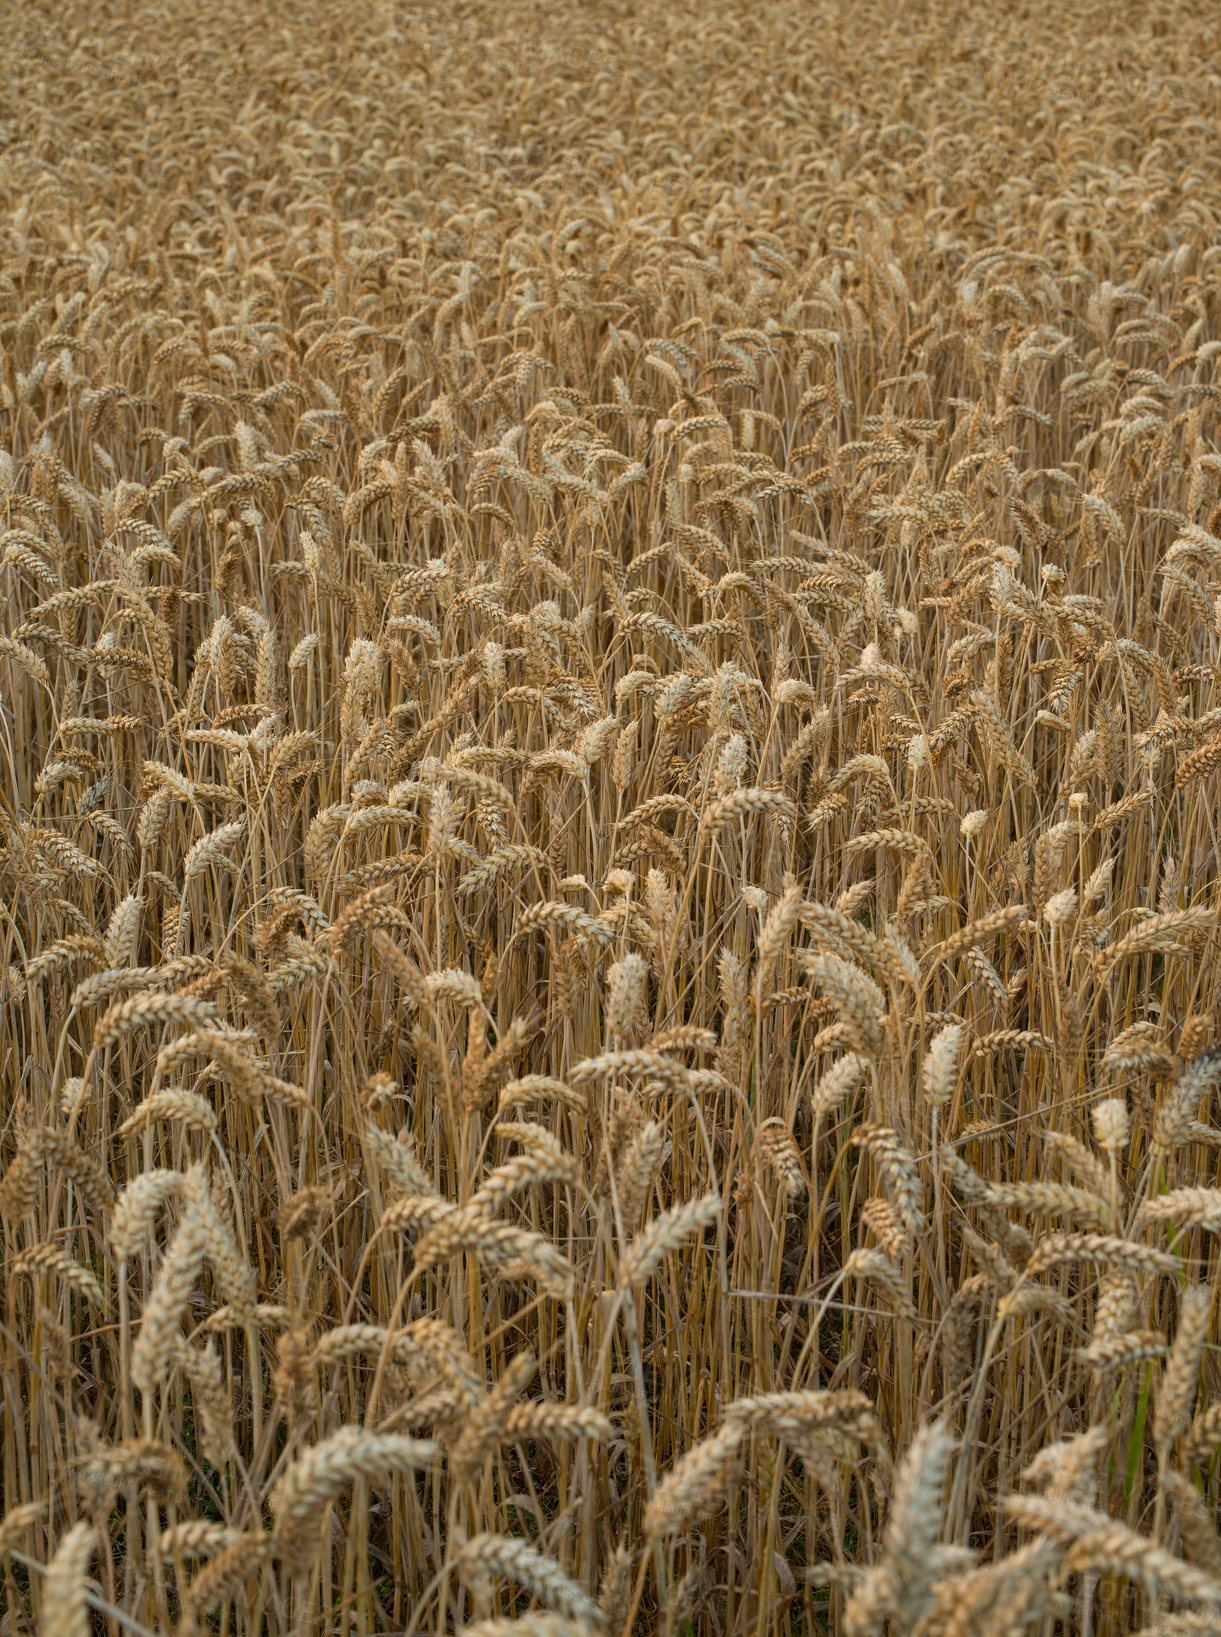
(516, 1560)
(695, 1486)
(324, 1469)
(1177, 1391)
(65, 1609)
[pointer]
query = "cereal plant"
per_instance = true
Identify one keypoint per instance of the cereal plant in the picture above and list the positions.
(610, 787)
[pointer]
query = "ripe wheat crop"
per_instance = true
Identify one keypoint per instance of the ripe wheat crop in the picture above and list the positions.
(610, 742)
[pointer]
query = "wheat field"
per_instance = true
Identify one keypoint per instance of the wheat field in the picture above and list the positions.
(610, 742)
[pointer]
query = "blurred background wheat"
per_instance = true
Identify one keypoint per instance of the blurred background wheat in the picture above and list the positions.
(609, 765)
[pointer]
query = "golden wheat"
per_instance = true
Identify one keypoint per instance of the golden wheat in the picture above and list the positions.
(609, 742)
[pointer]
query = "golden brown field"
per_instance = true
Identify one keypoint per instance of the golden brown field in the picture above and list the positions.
(609, 764)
